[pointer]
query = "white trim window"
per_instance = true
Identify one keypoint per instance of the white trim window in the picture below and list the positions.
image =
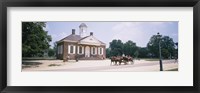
(80, 50)
(71, 49)
(93, 50)
(100, 51)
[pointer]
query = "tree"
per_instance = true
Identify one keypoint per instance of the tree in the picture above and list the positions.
(176, 50)
(167, 46)
(51, 52)
(130, 48)
(55, 48)
(143, 52)
(116, 47)
(136, 54)
(108, 55)
(35, 41)
(153, 45)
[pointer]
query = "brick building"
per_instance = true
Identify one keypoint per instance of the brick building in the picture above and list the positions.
(81, 47)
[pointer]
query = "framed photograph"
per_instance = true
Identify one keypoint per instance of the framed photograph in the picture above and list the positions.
(104, 46)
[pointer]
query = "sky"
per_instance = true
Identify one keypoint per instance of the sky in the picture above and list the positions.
(138, 32)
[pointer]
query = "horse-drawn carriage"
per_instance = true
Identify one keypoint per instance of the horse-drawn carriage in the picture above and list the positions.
(117, 60)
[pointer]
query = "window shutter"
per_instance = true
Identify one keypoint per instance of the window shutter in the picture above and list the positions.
(68, 49)
(95, 50)
(83, 50)
(74, 50)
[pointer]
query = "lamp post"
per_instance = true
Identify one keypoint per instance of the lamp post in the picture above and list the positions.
(161, 66)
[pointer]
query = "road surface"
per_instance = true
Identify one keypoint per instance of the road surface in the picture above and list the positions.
(99, 66)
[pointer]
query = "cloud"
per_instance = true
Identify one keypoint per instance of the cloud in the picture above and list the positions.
(139, 32)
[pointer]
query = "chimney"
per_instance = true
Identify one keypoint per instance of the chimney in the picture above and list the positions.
(91, 33)
(73, 31)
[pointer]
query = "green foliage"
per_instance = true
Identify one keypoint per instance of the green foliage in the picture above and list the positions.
(51, 52)
(176, 50)
(130, 49)
(143, 52)
(153, 45)
(136, 54)
(116, 47)
(166, 43)
(35, 41)
(108, 55)
(55, 48)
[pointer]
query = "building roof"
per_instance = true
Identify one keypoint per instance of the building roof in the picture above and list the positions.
(93, 37)
(76, 38)
(83, 25)
(101, 42)
(71, 38)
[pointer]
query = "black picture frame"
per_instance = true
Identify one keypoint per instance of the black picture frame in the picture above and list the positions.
(98, 3)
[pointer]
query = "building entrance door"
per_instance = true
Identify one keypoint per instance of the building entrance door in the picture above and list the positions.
(87, 51)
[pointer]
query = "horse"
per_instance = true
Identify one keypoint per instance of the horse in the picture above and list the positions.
(120, 59)
(115, 60)
(127, 59)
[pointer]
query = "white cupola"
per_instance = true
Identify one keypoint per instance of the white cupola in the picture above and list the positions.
(83, 30)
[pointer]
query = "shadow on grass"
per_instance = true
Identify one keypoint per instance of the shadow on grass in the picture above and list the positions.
(54, 65)
(30, 64)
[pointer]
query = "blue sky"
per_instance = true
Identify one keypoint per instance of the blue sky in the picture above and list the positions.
(138, 32)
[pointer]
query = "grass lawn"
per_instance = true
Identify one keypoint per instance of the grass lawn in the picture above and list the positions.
(38, 58)
(175, 69)
(152, 59)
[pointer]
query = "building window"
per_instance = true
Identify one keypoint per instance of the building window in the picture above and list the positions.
(80, 50)
(71, 49)
(93, 50)
(100, 51)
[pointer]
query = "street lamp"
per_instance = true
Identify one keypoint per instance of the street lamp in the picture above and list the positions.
(161, 66)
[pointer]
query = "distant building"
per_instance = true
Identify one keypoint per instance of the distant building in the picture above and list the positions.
(82, 46)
